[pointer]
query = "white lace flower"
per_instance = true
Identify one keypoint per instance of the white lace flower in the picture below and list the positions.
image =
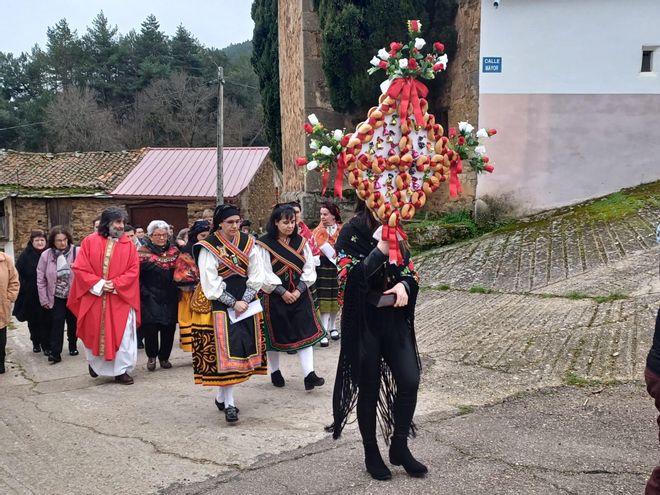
(312, 119)
(465, 127)
(383, 54)
(374, 61)
(312, 165)
(419, 43)
(337, 134)
(480, 150)
(403, 63)
(325, 151)
(482, 134)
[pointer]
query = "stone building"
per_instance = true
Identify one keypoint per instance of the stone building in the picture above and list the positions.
(303, 91)
(40, 190)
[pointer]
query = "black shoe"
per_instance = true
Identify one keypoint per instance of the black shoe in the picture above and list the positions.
(46, 351)
(324, 342)
(277, 379)
(36, 348)
(312, 381)
(400, 456)
(334, 334)
(165, 364)
(54, 359)
(92, 373)
(219, 405)
(2, 368)
(231, 414)
(374, 462)
(140, 345)
(73, 352)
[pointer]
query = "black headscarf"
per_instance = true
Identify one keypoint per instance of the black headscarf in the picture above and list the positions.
(223, 212)
(197, 228)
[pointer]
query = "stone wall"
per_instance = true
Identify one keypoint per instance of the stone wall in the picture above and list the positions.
(462, 96)
(196, 208)
(261, 194)
(85, 210)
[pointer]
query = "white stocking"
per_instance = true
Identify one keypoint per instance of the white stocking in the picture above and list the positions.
(306, 357)
(331, 321)
(325, 317)
(273, 360)
(229, 395)
(221, 394)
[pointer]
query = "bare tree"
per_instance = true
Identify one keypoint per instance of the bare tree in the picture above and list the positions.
(75, 122)
(241, 125)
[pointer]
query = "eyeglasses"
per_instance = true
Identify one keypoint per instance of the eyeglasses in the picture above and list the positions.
(232, 222)
(159, 235)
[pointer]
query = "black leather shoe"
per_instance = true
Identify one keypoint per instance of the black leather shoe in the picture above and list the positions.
(140, 345)
(92, 373)
(46, 351)
(231, 414)
(124, 379)
(277, 378)
(54, 359)
(219, 405)
(165, 364)
(400, 455)
(73, 352)
(2, 368)
(312, 381)
(36, 348)
(374, 462)
(334, 334)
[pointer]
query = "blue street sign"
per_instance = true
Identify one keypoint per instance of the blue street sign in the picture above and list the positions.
(492, 64)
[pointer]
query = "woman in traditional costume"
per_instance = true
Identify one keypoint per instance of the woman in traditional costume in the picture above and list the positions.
(307, 233)
(186, 276)
(325, 236)
(378, 362)
(231, 274)
(291, 322)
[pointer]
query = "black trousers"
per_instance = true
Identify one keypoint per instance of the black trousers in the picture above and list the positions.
(60, 315)
(398, 351)
(3, 345)
(151, 347)
(39, 325)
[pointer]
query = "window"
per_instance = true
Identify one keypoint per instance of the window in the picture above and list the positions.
(647, 60)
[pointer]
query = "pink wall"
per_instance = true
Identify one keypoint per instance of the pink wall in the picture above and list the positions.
(558, 149)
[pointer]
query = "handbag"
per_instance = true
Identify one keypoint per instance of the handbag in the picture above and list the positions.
(198, 302)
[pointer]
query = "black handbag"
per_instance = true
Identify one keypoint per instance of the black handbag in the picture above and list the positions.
(380, 300)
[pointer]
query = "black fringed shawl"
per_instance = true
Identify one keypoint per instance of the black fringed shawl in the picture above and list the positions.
(355, 242)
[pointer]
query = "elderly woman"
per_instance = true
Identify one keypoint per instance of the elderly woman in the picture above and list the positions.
(9, 286)
(54, 278)
(227, 350)
(325, 236)
(186, 276)
(28, 307)
(378, 361)
(158, 294)
(291, 321)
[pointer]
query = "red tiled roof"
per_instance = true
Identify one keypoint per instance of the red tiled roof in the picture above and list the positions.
(191, 172)
(97, 171)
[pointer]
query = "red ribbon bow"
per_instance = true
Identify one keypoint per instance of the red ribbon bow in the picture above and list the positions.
(339, 176)
(410, 90)
(455, 168)
(389, 234)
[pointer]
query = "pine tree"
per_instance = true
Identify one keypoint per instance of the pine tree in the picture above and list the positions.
(102, 59)
(64, 51)
(186, 52)
(152, 52)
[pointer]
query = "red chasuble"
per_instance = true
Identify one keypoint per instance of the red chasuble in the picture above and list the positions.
(102, 319)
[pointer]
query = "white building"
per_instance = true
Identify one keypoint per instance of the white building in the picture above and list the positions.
(573, 88)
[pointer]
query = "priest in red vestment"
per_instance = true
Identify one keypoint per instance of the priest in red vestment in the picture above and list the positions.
(105, 297)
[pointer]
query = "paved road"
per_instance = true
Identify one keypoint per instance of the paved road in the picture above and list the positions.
(497, 409)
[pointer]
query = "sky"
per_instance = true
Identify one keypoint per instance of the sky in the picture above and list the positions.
(215, 23)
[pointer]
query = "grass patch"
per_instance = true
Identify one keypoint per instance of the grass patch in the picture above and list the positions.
(612, 297)
(464, 409)
(576, 295)
(578, 381)
(480, 290)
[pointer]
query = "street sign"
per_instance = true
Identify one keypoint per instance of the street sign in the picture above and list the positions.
(492, 64)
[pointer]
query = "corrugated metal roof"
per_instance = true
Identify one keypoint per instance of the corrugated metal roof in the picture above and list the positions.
(191, 172)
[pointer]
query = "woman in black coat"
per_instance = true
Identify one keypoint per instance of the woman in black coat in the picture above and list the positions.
(27, 306)
(159, 295)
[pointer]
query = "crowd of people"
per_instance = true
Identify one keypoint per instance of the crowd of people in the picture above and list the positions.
(240, 302)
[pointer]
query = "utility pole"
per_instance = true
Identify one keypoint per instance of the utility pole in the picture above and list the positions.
(220, 137)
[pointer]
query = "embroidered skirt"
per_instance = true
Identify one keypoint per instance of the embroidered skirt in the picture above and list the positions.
(185, 317)
(289, 327)
(327, 287)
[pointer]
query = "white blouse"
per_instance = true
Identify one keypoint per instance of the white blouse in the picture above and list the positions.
(212, 284)
(271, 280)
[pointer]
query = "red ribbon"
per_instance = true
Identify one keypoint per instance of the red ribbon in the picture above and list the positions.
(455, 168)
(389, 234)
(339, 176)
(410, 90)
(326, 174)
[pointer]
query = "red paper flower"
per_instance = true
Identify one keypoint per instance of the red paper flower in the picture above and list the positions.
(412, 63)
(414, 26)
(308, 128)
(489, 168)
(461, 140)
(382, 64)
(491, 132)
(439, 46)
(452, 132)
(438, 67)
(395, 46)
(301, 161)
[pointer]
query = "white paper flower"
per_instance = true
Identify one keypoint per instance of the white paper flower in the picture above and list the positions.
(325, 151)
(480, 150)
(337, 135)
(444, 59)
(314, 144)
(312, 165)
(403, 63)
(419, 43)
(383, 54)
(312, 119)
(482, 134)
(374, 61)
(465, 127)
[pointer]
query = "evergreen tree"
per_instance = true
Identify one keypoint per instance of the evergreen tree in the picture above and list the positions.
(152, 52)
(186, 52)
(64, 53)
(102, 59)
(265, 60)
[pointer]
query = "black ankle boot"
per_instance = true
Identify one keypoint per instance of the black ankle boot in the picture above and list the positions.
(400, 456)
(374, 462)
(311, 381)
(277, 379)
